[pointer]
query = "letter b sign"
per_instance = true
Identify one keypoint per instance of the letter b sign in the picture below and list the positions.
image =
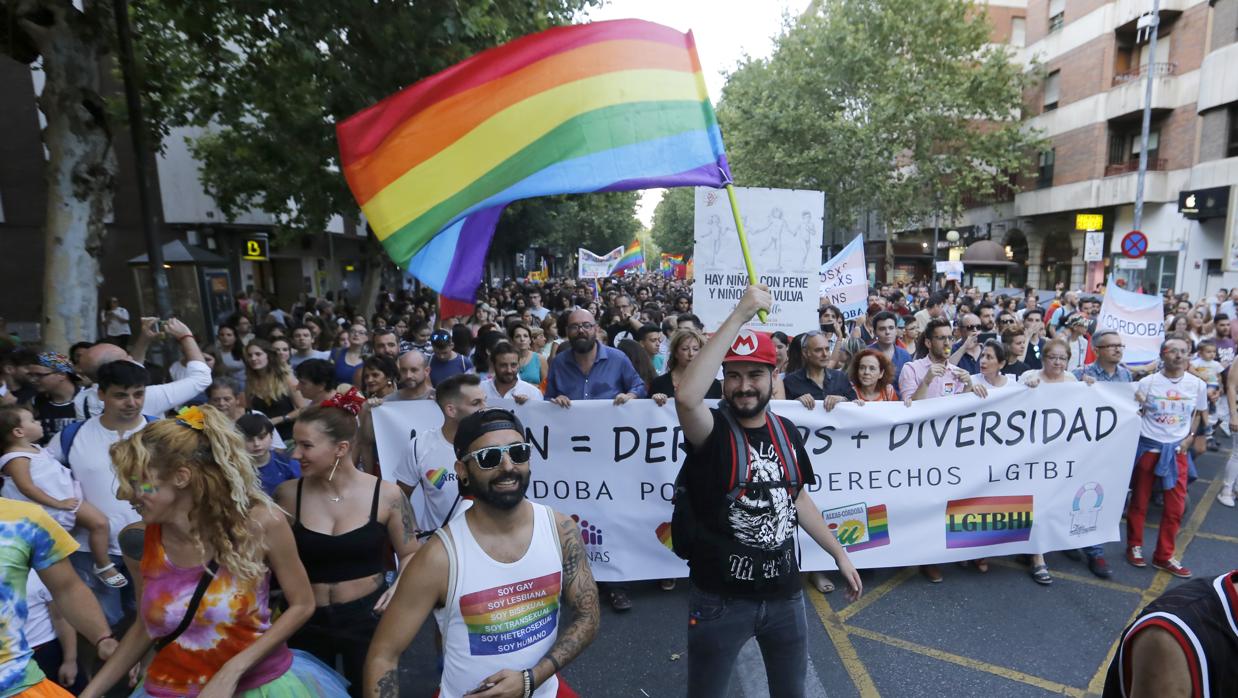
(256, 249)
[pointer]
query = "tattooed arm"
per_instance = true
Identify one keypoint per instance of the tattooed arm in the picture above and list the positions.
(415, 598)
(581, 594)
(401, 525)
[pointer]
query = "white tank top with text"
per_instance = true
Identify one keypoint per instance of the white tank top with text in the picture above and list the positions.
(499, 615)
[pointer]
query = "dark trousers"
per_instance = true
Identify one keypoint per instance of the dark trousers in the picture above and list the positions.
(718, 627)
(341, 630)
(49, 656)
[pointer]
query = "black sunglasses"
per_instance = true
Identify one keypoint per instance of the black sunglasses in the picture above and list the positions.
(491, 457)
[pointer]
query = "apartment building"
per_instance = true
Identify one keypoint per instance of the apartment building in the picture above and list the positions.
(1089, 107)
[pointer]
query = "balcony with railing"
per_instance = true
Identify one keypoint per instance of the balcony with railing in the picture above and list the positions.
(1158, 70)
(1132, 165)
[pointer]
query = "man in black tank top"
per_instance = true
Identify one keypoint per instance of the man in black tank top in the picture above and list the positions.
(1185, 643)
(744, 479)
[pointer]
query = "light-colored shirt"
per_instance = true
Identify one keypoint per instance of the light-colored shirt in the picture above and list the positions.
(1169, 405)
(91, 463)
(522, 388)
(429, 466)
(914, 371)
(159, 398)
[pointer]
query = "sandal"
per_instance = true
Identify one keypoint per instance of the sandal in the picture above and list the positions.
(982, 565)
(667, 584)
(1040, 573)
(116, 580)
(821, 582)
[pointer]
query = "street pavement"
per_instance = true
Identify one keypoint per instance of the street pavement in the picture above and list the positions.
(994, 634)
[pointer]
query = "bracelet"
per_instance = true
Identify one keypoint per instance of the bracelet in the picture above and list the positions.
(528, 683)
(558, 667)
(109, 636)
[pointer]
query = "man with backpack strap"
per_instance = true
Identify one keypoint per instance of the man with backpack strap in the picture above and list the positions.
(739, 498)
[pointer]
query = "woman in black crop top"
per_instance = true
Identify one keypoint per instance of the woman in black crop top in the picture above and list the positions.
(343, 521)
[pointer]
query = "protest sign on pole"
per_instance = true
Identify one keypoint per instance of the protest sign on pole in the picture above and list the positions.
(592, 266)
(953, 270)
(1024, 470)
(844, 280)
(784, 229)
(1138, 318)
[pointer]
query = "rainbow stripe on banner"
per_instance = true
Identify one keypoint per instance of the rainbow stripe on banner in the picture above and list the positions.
(633, 260)
(981, 521)
(607, 106)
(878, 529)
(510, 617)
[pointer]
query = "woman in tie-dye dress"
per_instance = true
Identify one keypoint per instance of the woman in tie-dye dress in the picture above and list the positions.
(200, 499)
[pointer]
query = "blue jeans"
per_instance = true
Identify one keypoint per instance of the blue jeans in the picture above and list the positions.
(718, 627)
(117, 604)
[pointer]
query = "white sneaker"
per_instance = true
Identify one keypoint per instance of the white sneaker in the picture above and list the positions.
(1226, 498)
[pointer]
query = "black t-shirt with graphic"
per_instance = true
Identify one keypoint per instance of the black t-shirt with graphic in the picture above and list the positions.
(54, 416)
(745, 548)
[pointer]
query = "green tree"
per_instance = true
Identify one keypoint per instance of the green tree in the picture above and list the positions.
(674, 221)
(597, 222)
(268, 81)
(898, 106)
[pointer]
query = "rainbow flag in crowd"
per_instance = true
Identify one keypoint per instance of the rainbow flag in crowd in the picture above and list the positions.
(633, 260)
(673, 266)
(607, 106)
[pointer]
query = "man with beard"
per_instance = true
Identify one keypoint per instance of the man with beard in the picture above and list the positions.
(506, 384)
(494, 579)
(413, 374)
(591, 370)
(744, 571)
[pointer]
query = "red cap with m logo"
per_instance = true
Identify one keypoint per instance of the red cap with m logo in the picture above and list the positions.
(750, 345)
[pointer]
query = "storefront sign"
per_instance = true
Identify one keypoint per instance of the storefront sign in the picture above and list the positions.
(257, 248)
(1089, 221)
(1094, 247)
(1204, 203)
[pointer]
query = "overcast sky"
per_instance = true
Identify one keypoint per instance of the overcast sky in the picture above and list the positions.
(725, 31)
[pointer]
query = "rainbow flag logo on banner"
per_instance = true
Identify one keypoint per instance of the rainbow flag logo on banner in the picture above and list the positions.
(980, 521)
(633, 260)
(607, 106)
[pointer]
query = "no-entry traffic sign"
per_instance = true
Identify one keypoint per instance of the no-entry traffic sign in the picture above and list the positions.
(1135, 244)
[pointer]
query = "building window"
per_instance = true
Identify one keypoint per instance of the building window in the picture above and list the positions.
(1044, 170)
(1018, 31)
(1053, 90)
(1231, 147)
(1124, 149)
(1057, 14)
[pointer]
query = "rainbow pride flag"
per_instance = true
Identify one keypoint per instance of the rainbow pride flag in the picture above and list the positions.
(607, 106)
(633, 260)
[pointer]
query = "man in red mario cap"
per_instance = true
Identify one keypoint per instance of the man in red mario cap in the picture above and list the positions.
(739, 499)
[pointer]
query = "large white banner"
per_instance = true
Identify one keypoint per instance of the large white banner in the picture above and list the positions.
(592, 266)
(844, 280)
(784, 228)
(1022, 471)
(1138, 318)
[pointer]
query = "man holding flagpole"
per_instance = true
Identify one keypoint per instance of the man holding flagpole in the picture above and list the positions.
(741, 551)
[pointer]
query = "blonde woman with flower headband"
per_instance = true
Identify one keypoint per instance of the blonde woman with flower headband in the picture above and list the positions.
(345, 524)
(201, 559)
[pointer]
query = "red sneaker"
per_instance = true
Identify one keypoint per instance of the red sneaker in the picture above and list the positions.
(1173, 567)
(1134, 555)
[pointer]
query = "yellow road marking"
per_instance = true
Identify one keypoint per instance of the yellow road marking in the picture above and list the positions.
(1083, 579)
(1161, 581)
(1217, 536)
(968, 662)
(871, 595)
(842, 644)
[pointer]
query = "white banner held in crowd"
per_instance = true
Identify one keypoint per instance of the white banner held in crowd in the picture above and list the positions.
(784, 228)
(1138, 318)
(952, 269)
(844, 280)
(1023, 471)
(592, 266)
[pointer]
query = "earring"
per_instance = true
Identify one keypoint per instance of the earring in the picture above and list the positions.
(337, 464)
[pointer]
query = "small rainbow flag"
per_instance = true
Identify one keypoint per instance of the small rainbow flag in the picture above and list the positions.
(981, 521)
(633, 260)
(607, 106)
(663, 532)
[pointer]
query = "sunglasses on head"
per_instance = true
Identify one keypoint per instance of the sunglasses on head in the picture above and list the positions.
(492, 456)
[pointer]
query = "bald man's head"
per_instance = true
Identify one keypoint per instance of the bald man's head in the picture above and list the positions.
(98, 355)
(412, 371)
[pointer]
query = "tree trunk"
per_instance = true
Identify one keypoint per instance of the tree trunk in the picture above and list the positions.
(81, 167)
(376, 259)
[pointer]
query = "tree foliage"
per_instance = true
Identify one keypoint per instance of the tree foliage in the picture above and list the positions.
(269, 80)
(674, 221)
(902, 106)
(597, 222)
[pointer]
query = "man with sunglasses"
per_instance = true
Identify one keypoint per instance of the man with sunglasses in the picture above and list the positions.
(445, 362)
(744, 571)
(494, 578)
(966, 352)
(56, 383)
